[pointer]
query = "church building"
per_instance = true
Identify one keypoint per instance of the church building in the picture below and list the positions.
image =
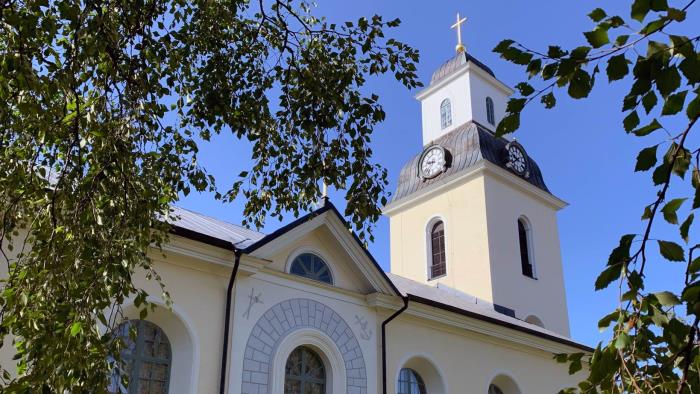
(474, 301)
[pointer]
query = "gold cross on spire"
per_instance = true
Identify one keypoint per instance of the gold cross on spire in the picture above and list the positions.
(459, 48)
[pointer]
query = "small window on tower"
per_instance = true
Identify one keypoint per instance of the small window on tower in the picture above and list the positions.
(438, 260)
(489, 111)
(445, 113)
(525, 253)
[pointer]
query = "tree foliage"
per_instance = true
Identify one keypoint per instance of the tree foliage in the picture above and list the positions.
(103, 105)
(654, 346)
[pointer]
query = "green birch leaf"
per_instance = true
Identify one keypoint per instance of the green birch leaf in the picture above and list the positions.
(668, 81)
(525, 88)
(669, 210)
(674, 103)
(640, 9)
(685, 227)
(623, 341)
(609, 275)
(75, 329)
(631, 121)
(646, 130)
(666, 298)
(621, 40)
(671, 251)
(693, 110)
(649, 101)
(646, 159)
(617, 67)
(548, 100)
(598, 37)
(597, 15)
(580, 84)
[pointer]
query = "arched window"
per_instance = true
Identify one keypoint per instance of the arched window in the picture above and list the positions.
(438, 257)
(532, 319)
(525, 253)
(304, 373)
(445, 113)
(493, 389)
(490, 116)
(146, 358)
(410, 382)
(311, 266)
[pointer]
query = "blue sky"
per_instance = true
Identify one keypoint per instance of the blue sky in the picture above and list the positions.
(586, 158)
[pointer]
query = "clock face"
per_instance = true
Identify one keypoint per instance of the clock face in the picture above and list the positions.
(516, 159)
(433, 162)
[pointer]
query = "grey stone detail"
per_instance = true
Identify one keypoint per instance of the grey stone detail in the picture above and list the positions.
(286, 317)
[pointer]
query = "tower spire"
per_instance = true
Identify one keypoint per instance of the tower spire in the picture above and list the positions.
(458, 25)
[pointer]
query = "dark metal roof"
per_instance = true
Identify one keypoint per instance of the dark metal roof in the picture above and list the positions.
(472, 307)
(456, 63)
(212, 231)
(226, 235)
(467, 144)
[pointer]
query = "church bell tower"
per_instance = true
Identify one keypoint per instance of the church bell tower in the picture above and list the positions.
(471, 213)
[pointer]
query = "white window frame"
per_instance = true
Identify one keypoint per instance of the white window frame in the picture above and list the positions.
(447, 120)
(429, 247)
(529, 235)
(326, 349)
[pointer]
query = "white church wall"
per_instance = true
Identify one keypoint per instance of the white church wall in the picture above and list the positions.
(198, 292)
(544, 296)
(481, 86)
(337, 324)
(184, 343)
(7, 352)
(323, 243)
(468, 362)
(457, 90)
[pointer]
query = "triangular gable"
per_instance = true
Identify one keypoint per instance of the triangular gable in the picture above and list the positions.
(328, 217)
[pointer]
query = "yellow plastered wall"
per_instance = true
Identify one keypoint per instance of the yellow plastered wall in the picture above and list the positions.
(463, 209)
(544, 296)
(459, 361)
(482, 245)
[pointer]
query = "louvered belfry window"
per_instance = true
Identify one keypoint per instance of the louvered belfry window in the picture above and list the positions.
(438, 266)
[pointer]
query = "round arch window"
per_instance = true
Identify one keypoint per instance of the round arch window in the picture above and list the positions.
(493, 389)
(146, 359)
(304, 373)
(311, 266)
(410, 382)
